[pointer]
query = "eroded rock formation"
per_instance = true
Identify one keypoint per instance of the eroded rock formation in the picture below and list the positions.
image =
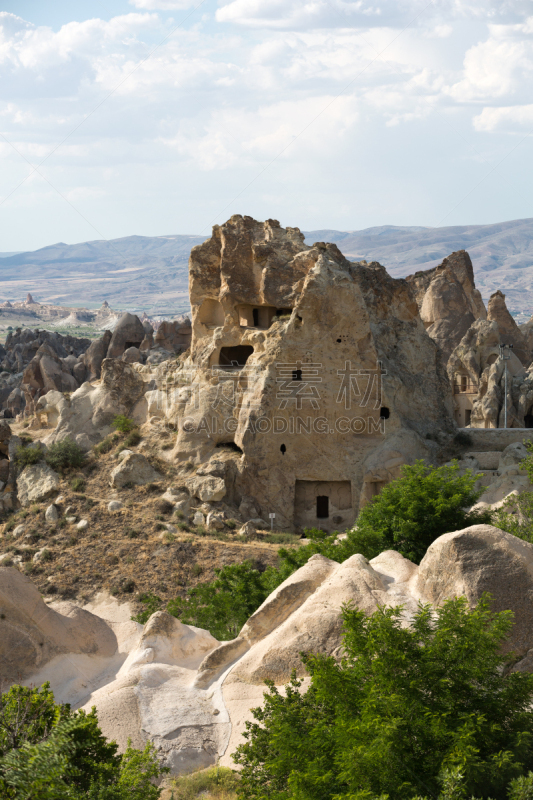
(191, 695)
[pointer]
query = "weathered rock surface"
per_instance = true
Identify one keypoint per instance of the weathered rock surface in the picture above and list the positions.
(87, 416)
(190, 694)
(128, 332)
(448, 300)
(36, 483)
(510, 333)
(136, 469)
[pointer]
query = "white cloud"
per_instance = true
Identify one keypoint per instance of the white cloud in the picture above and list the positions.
(514, 119)
(336, 82)
(164, 5)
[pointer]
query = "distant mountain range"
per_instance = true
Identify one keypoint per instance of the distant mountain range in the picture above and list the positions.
(150, 272)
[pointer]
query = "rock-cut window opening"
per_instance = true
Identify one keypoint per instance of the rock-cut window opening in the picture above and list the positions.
(528, 419)
(384, 413)
(297, 375)
(322, 506)
(235, 357)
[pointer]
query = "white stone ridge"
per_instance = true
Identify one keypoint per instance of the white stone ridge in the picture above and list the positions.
(190, 694)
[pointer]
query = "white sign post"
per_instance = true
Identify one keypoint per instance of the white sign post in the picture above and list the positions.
(272, 518)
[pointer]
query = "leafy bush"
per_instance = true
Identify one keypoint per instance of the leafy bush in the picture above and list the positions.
(27, 456)
(48, 752)
(411, 512)
(123, 424)
(406, 710)
(152, 602)
(65, 455)
(516, 516)
(223, 605)
(132, 439)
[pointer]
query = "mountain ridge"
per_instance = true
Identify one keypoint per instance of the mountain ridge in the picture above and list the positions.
(151, 272)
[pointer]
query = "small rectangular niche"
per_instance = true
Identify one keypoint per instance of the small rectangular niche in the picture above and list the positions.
(323, 504)
(255, 316)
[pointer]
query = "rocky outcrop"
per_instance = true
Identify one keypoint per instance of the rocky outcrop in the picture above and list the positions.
(35, 483)
(276, 373)
(94, 356)
(128, 332)
(510, 333)
(134, 469)
(191, 695)
(87, 415)
(448, 300)
(174, 336)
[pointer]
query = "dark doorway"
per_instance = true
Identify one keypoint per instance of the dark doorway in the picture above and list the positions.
(255, 314)
(235, 356)
(131, 344)
(297, 374)
(384, 413)
(283, 449)
(322, 507)
(528, 420)
(468, 417)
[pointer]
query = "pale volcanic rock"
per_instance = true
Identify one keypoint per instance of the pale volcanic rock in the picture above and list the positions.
(95, 354)
(268, 311)
(448, 300)
(128, 332)
(510, 333)
(190, 695)
(32, 634)
(87, 416)
(36, 483)
(136, 469)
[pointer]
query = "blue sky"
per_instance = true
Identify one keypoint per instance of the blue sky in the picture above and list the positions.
(157, 116)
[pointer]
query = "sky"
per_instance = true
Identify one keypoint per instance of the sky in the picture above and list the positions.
(157, 117)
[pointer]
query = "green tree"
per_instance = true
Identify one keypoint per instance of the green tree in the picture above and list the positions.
(48, 751)
(223, 605)
(405, 712)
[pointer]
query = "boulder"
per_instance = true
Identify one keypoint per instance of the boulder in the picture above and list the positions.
(198, 518)
(115, 505)
(36, 483)
(207, 488)
(51, 514)
(215, 521)
(248, 529)
(135, 469)
(128, 332)
(483, 559)
(132, 355)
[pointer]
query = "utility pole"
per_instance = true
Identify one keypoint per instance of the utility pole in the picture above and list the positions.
(505, 356)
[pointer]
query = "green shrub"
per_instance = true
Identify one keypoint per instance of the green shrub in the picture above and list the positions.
(123, 424)
(27, 456)
(215, 783)
(65, 455)
(132, 439)
(48, 752)
(77, 484)
(152, 602)
(223, 605)
(406, 710)
(104, 446)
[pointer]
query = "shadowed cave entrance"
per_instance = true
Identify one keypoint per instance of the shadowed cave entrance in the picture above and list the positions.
(323, 504)
(235, 356)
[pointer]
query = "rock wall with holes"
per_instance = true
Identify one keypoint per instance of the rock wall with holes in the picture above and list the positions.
(304, 369)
